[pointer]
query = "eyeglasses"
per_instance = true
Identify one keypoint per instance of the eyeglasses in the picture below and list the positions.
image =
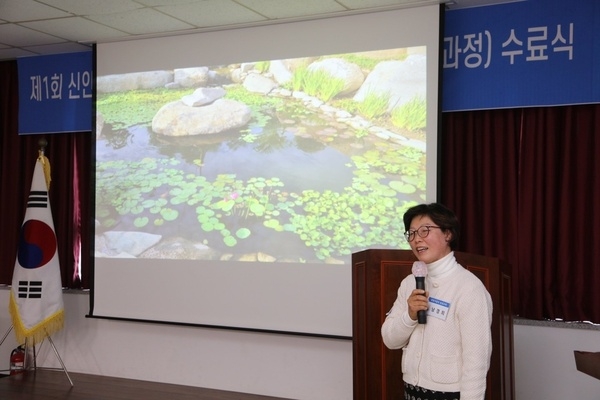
(423, 231)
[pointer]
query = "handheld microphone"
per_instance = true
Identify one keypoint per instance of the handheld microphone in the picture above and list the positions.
(419, 270)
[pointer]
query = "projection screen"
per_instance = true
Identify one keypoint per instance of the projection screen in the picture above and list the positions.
(238, 170)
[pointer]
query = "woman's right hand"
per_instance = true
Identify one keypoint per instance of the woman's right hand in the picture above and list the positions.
(417, 301)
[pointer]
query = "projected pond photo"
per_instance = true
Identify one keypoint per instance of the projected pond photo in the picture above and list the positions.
(300, 160)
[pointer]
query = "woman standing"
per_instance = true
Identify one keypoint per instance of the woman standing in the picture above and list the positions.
(447, 357)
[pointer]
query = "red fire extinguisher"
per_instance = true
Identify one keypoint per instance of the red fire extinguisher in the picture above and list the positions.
(17, 360)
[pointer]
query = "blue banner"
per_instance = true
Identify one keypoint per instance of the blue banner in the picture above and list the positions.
(521, 54)
(55, 93)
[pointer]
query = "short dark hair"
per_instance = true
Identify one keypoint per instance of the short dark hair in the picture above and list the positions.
(440, 215)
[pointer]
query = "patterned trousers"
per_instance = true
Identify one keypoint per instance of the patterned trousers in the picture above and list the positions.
(412, 392)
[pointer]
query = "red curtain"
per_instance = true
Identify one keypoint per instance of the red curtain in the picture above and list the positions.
(70, 195)
(559, 186)
(524, 183)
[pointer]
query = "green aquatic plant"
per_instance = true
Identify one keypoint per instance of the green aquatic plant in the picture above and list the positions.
(367, 62)
(297, 82)
(262, 66)
(134, 107)
(332, 224)
(346, 103)
(374, 105)
(402, 161)
(318, 83)
(336, 224)
(321, 84)
(363, 61)
(140, 222)
(251, 99)
(412, 115)
(154, 193)
(262, 107)
(248, 137)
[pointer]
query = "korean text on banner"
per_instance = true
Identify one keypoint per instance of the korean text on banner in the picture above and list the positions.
(55, 93)
(533, 53)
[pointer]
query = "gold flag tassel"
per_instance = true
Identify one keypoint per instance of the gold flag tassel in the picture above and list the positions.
(50, 325)
(46, 163)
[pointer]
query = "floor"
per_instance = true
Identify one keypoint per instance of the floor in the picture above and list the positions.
(43, 384)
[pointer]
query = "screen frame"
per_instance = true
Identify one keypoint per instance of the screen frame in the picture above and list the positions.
(123, 56)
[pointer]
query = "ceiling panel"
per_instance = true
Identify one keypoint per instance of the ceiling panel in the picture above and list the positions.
(275, 9)
(141, 21)
(75, 29)
(209, 13)
(91, 7)
(20, 36)
(33, 27)
(28, 10)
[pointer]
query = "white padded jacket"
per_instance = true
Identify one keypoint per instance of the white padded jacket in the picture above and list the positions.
(452, 351)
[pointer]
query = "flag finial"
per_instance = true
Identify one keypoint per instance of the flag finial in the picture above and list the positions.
(42, 157)
(42, 143)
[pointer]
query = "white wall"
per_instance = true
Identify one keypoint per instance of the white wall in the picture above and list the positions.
(545, 364)
(276, 365)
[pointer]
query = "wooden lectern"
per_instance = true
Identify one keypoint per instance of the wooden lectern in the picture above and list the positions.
(376, 276)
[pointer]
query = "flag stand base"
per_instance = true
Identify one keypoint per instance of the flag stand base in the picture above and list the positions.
(31, 356)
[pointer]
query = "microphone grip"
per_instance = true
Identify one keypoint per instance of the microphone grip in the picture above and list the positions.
(421, 315)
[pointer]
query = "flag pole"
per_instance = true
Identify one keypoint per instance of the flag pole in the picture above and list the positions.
(2, 341)
(6, 335)
(60, 360)
(43, 143)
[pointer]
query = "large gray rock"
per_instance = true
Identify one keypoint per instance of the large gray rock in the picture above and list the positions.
(203, 96)
(401, 80)
(124, 244)
(281, 72)
(178, 119)
(133, 81)
(256, 83)
(191, 77)
(339, 68)
(99, 124)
